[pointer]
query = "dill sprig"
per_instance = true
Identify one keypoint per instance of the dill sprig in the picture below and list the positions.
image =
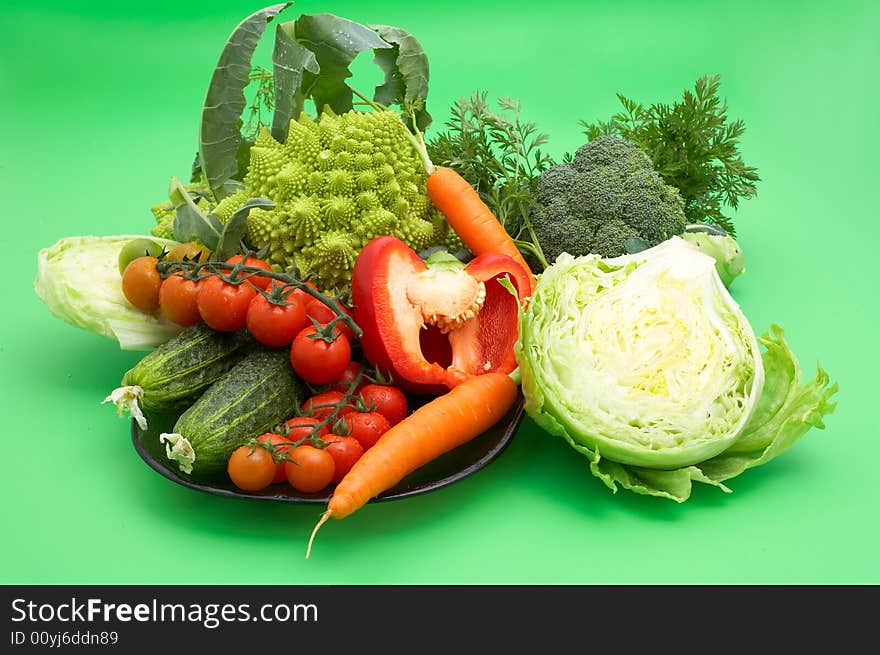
(499, 154)
(259, 110)
(693, 146)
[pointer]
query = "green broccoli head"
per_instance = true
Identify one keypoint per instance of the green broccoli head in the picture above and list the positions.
(607, 194)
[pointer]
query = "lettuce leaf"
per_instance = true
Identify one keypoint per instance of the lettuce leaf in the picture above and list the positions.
(78, 279)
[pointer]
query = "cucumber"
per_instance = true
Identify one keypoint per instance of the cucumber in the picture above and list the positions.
(174, 374)
(253, 397)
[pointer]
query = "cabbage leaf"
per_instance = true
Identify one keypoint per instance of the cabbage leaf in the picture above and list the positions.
(79, 281)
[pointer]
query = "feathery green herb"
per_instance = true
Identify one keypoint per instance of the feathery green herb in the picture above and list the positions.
(262, 102)
(499, 154)
(694, 147)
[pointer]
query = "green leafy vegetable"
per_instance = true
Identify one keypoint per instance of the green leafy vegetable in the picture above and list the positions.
(219, 136)
(335, 42)
(337, 179)
(405, 65)
(79, 281)
(694, 147)
(290, 61)
(646, 366)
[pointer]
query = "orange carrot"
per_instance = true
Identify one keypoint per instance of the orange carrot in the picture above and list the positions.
(471, 218)
(437, 427)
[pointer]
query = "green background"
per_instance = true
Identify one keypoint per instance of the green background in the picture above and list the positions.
(99, 104)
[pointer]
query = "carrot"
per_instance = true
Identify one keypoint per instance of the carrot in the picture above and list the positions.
(437, 427)
(471, 218)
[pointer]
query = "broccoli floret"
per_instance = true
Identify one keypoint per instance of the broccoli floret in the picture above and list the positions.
(607, 195)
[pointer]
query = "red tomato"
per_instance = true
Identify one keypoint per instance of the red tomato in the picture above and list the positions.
(310, 470)
(302, 295)
(389, 401)
(178, 300)
(264, 283)
(319, 311)
(300, 427)
(141, 282)
(224, 306)
(278, 441)
(275, 325)
(316, 360)
(251, 468)
(366, 427)
(324, 314)
(345, 452)
(321, 404)
(348, 376)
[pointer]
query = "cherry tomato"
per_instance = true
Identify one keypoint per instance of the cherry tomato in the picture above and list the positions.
(275, 325)
(324, 314)
(190, 252)
(319, 311)
(345, 452)
(302, 295)
(251, 468)
(224, 306)
(348, 376)
(178, 300)
(389, 401)
(141, 282)
(310, 470)
(258, 280)
(321, 404)
(278, 441)
(317, 360)
(300, 427)
(366, 427)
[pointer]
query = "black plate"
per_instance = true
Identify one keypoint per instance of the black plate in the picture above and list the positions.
(454, 465)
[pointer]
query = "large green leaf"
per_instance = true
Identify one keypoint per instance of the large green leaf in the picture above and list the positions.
(335, 43)
(290, 60)
(219, 135)
(405, 65)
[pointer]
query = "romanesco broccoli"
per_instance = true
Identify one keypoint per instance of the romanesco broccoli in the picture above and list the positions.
(337, 182)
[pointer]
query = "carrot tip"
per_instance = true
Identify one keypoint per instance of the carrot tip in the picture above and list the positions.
(326, 515)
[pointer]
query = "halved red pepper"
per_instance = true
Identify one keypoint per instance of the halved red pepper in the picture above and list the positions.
(432, 325)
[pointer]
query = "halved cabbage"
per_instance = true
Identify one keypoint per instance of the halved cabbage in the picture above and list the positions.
(79, 281)
(646, 365)
(644, 358)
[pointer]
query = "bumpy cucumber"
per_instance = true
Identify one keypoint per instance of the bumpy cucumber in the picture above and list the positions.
(178, 371)
(253, 397)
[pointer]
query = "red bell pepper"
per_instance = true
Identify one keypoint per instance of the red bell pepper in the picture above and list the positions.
(432, 325)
